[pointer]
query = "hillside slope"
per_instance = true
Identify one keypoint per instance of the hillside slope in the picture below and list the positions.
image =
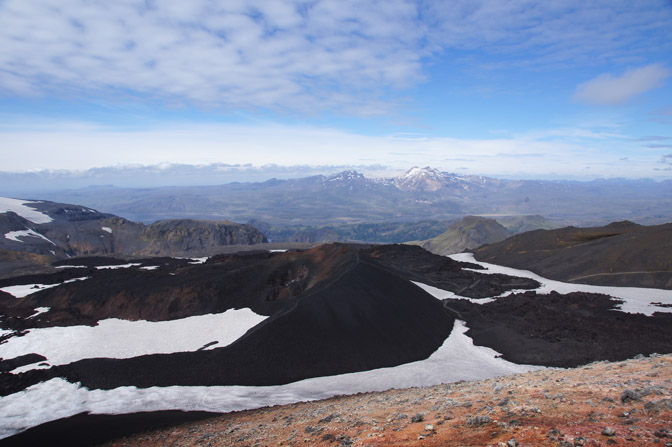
(469, 232)
(619, 254)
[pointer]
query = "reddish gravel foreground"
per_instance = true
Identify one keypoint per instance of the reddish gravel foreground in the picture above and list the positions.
(568, 407)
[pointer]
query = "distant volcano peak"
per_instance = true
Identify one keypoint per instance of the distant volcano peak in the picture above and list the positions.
(421, 179)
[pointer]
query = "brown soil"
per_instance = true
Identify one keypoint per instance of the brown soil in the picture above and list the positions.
(545, 408)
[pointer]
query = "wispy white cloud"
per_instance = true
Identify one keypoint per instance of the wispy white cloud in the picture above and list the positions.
(303, 56)
(652, 138)
(666, 160)
(612, 90)
(285, 54)
(80, 146)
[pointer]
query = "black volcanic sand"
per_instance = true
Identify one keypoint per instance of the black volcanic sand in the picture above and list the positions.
(49, 278)
(417, 264)
(268, 283)
(333, 309)
(366, 319)
(22, 360)
(563, 330)
(84, 430)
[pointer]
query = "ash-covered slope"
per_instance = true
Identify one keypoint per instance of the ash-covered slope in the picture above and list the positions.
(365, 319)
(332, 309)
(59, 230)
(619, 254)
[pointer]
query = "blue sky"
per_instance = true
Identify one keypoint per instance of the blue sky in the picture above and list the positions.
(516, 89)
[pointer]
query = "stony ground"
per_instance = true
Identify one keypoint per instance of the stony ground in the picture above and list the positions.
(625, 403)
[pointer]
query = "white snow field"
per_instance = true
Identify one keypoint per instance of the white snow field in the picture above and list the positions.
(635, 299)
(457, 359)
(120, 339)
(20, 207)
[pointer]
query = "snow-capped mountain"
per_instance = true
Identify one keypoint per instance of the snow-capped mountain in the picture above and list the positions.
(421, 179)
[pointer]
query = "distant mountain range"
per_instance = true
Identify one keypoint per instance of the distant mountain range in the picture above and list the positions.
(420, 194)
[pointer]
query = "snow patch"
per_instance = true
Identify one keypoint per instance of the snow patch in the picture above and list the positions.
(38, 311)
(120, 266)
(414, 172)
(279, 250)
(15, 235)
(120, 339)
(457, 359)
(149, 267)
(24, 290)
(448, 295)
(108, 229)
(19, 207)
(635, 299)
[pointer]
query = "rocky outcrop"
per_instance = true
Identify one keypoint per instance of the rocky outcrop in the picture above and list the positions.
(69, 230)
(184, 236)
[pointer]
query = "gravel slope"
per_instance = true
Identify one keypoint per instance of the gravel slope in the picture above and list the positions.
(623, 403)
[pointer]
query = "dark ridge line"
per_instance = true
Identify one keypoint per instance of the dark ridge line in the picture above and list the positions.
(310, 292)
